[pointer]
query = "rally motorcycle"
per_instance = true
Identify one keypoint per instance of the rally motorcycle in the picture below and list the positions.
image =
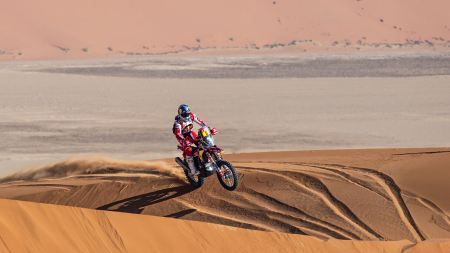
(208, 162)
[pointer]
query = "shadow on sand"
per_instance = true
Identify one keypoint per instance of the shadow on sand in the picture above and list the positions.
(181, 213)
(137, 203)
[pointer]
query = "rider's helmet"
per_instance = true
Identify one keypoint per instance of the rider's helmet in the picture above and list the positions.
(184, 111)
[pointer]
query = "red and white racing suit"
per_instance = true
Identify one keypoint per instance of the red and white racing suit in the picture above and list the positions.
(185, 136)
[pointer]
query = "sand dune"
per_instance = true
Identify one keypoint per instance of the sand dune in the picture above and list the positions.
(348, 194)
(34, 227)
(76, 29)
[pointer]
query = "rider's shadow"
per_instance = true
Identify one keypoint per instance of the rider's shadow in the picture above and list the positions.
(137, 203)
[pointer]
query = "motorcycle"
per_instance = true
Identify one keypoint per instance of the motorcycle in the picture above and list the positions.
(208, 162)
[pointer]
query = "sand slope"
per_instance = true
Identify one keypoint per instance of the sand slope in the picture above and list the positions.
(61, 29)
(33, 227)
(349, 194)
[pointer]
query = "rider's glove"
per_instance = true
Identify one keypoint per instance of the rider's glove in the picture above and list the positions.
(213, 131)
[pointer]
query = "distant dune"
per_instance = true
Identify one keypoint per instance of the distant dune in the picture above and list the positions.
(77, 29)
(387, 194)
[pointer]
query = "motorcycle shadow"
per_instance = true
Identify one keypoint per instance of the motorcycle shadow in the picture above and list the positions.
(136, 204)
(181, 213)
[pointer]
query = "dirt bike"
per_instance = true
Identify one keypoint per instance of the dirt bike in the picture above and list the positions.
(208, 162)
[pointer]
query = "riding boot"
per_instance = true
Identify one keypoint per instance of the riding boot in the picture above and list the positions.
(193, 169)
(197, 162)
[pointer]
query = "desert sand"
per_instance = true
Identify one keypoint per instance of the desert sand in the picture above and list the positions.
(78, 29)
(348, 83)
(359, 195)
(69, 229)
(358, 200)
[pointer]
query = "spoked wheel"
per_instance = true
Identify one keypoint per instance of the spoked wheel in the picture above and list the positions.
(227, 175)
(195, 181)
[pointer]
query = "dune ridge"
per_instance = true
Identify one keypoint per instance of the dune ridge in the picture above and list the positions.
(51, 228)
(349, 194)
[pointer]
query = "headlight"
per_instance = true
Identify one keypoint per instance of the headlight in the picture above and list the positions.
(209, 141)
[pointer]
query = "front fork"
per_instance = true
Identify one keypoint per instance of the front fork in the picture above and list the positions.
(216, 156)
(210, 162)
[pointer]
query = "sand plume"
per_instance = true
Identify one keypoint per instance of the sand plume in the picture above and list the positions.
(95, 165)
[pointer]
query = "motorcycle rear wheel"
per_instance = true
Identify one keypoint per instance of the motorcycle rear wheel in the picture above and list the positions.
(195, 181)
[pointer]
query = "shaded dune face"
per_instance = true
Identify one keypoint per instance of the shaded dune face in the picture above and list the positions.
(327, 194)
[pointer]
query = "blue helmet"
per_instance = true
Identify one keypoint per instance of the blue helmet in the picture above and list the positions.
(184, 110)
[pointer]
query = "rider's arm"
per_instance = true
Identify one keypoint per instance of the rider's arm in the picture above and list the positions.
(177, 132)
(202, 123)
(198, 120)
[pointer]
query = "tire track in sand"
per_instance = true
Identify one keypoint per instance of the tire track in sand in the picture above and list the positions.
(393, 190)
(214, 212)
(430, 206)
(282, 216)
(320, 190)
(275, 205)
(338, 173)
(350, 179)
(224, 221)
(224, 206)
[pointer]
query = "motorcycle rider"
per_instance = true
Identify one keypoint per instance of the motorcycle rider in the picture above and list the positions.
(182, 129)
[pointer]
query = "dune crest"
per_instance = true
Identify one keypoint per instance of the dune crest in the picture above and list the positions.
(344, 194)
(51, 228)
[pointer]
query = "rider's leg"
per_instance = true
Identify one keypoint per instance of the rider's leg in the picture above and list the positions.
(190, 161)
(195, 154)
(197, 161)
(192, 167)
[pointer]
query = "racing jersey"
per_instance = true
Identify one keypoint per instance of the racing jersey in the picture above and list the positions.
(179, 126)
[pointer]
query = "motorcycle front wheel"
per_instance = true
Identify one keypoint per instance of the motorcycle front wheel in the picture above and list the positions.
(227, 175)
